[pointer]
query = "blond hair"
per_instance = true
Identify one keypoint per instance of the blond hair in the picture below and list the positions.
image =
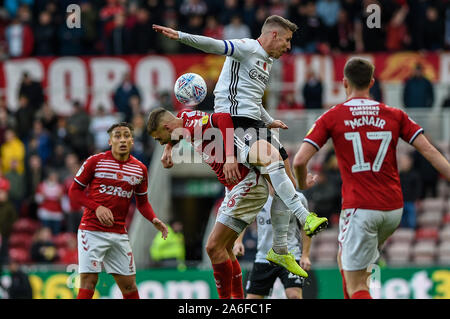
(276, 20)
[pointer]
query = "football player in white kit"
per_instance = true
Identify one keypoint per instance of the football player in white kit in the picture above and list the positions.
(263, 274)
(239, 91)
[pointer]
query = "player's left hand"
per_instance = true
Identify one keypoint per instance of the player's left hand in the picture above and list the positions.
(159, 225)
(311, 180)
(231, 170)
(238, 249)
(277, 124)
(305, 263)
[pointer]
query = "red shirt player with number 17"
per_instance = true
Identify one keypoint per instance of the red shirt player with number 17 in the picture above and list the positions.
(365, 135)
(113, 178)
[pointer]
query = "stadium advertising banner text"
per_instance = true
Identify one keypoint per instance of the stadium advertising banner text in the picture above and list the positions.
(325, 283)
(92, 80)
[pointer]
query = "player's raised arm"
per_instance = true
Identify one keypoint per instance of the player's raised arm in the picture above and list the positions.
(234, 48)
(439, 162)
(168, 32)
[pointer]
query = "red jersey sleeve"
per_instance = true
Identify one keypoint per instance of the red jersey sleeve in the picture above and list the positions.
(86, 172)
(141, 188)
(319, 132)
(409, 129)
(224, 123)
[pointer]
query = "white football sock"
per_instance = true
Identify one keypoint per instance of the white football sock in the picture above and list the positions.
(285, 189)
(280, 216)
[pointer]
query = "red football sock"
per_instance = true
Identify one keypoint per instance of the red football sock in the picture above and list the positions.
(85, 293)
(361, 294)
(131, 295)
(223, 274)
(237, 290)
(344, 286)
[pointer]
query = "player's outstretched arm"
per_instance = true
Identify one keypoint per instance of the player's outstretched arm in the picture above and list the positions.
(168, 32)
(439, 162)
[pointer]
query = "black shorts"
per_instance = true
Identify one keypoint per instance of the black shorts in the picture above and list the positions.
(263, 275)
(247, 131)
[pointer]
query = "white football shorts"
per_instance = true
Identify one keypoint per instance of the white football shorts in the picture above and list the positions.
(241, 205)
(113, 250)
(362, 233)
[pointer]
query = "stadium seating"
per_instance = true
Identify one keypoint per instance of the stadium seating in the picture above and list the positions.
(424, 252)
(20, 255)
(444, 252)
(399, 252)
(26, 225)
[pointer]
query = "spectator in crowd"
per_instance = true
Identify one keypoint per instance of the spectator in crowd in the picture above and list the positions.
(45, 35)
(248, 13)
(143, 41)
(6, 120)
(170, 252)
(24, 118)
(44, 147)
(99, 126)
(236, 29)
(193, 7)
(73, 211)
(343, 39)
(57, 161)
(33, 177)
(46, 115)
(329, 12)
(13, 150)
(312, 91)
(78, 135)
(212, 28)
(288, 102)
(49, 196)
(90, 28)
(433, 30)
(20, 287)
(17, 184)
(122, 95)
(397, 34)
(229, 9)
(20, 39)
(8, 216)
(418, 90)
(143, 145)
(194, 26)
(260, 16)
(311, 35)
(69, 254)
(118, 40)
(69, 39)
(43, 249)
(411, 189)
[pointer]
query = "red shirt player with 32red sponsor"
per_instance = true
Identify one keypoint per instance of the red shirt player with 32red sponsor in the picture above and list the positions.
(365, 135)
(111, 179)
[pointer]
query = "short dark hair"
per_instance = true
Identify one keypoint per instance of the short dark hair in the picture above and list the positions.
(279, 20)
(154, 119)
(120, 124)
(359, 72)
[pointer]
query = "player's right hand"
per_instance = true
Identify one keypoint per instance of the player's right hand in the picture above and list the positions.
(105, 216)
(238, 249)
(168, 32)
(166, 160)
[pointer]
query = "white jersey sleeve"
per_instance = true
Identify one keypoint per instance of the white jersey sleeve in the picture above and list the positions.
(238, 49)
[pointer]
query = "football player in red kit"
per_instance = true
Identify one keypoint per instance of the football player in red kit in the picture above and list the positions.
(111, 178)
(365, 135)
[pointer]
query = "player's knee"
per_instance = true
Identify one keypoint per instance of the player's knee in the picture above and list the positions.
(88, 281)
(263, 153)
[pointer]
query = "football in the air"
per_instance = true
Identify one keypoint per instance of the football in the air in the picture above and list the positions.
(190, 89)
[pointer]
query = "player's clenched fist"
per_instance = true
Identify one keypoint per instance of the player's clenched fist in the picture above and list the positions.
(105, 216)
(166, 158)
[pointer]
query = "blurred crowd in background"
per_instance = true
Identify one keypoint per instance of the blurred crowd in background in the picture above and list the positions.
(115, 27)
